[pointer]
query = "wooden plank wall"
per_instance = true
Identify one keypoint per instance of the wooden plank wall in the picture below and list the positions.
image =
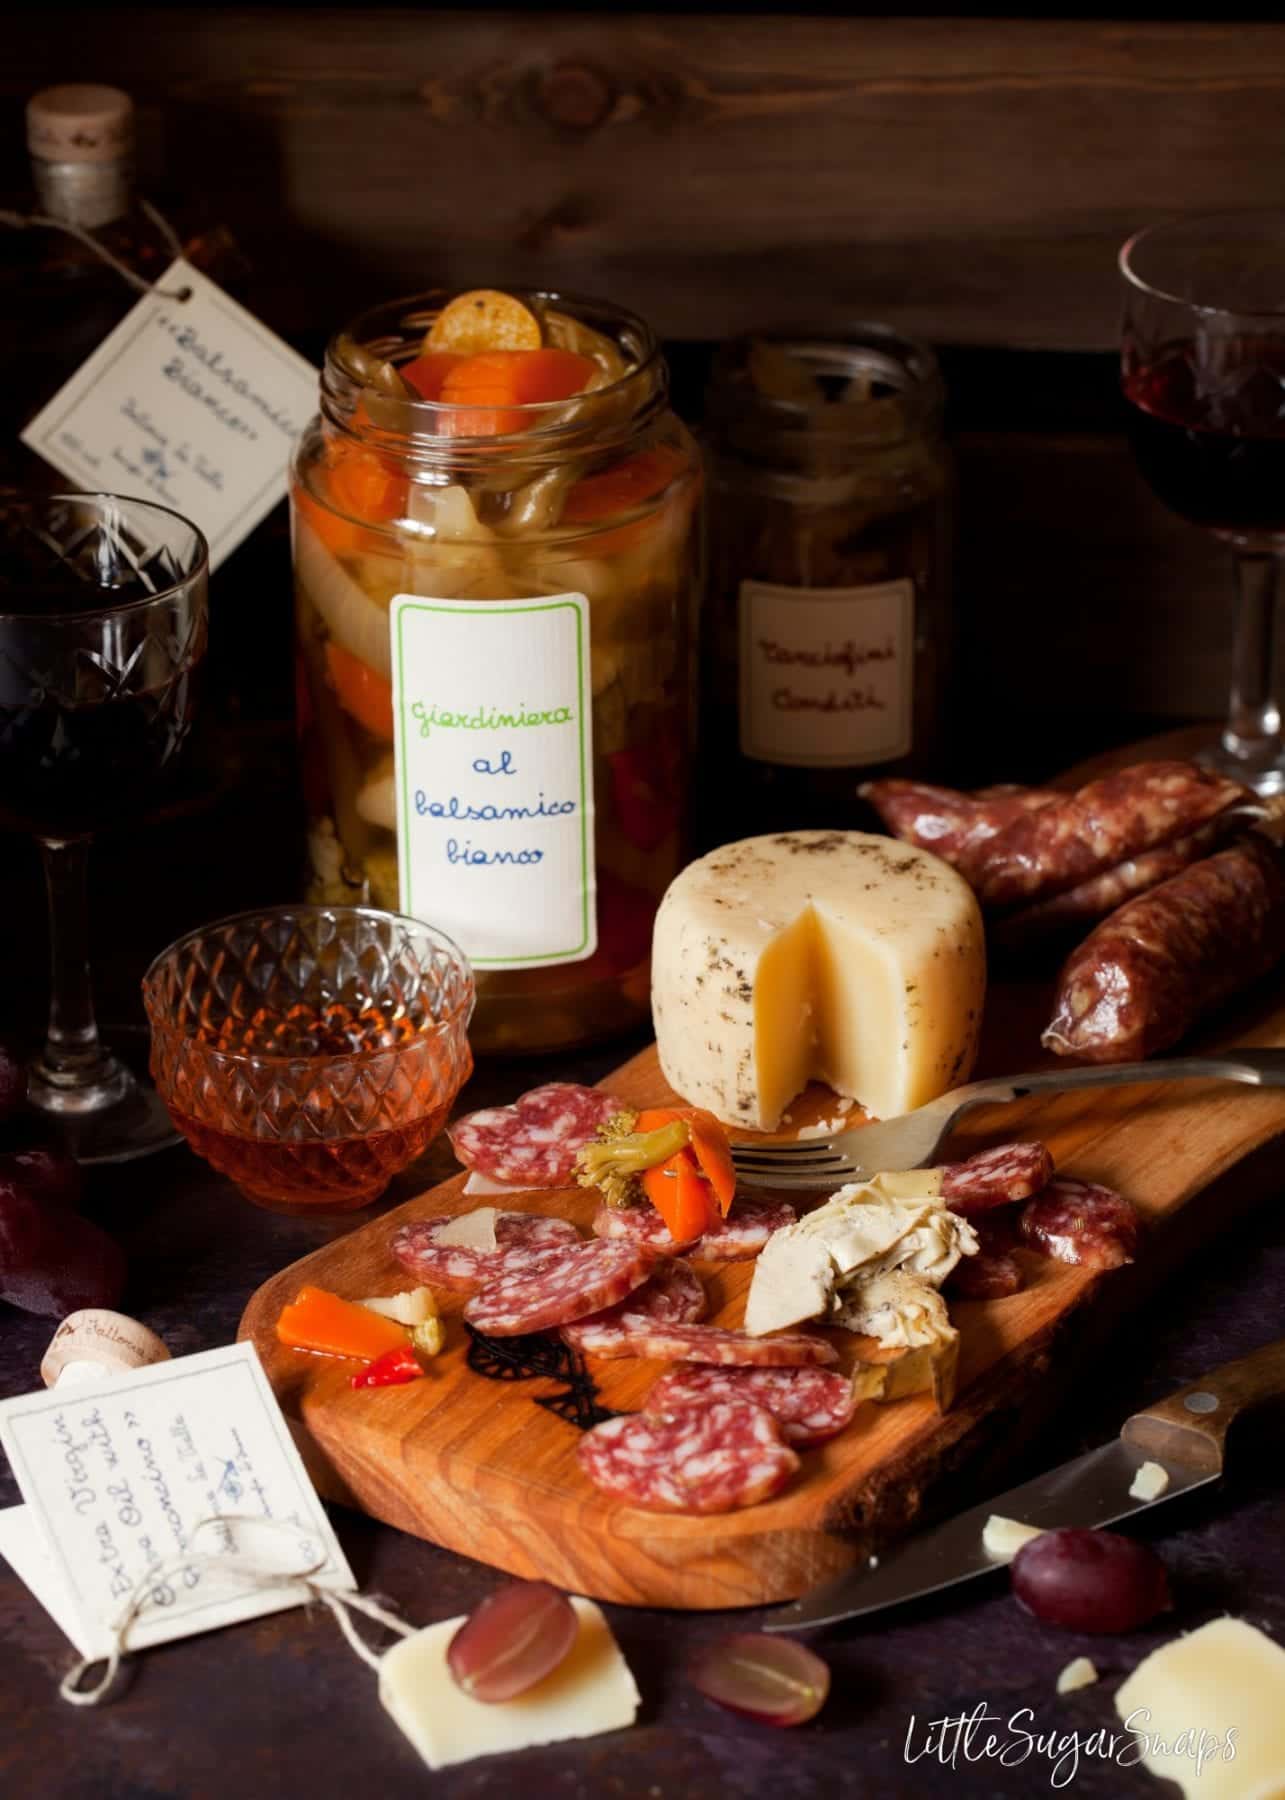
(966, 179)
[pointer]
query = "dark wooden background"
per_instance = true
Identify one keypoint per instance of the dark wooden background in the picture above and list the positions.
(967, 179)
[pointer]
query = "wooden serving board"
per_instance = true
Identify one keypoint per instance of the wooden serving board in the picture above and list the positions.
(475, 1465)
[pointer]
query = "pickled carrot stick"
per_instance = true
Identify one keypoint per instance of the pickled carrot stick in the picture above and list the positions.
(681, 1196)
(709, 1146)
(365, 485)
(429, 370)
(362, 692)
(321, 1321)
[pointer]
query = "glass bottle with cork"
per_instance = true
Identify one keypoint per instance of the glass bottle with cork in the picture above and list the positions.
(76, 253)
(826, 639)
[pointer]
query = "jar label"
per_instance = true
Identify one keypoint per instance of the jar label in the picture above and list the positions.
(827, 674)
(494, 772)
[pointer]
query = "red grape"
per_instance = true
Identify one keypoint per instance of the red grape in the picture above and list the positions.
(774, 1679)
(52, 1260)
(1090, 1580)
(13, 1081)
(517, 1636)
(45, 1174)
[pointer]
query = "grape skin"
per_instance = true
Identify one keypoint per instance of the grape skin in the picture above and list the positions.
(776, 1680)
(1092, 1581)
(512, 1640)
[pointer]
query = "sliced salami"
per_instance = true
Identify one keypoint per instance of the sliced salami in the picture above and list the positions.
(713, 1344)
(988, 1275)
(741, 1235)
(710, 1459)
(996, 1177)
(809, 1405)
(1080, 1222)
(672, 1296)
(522, 1241)
(533, 1143)
(561, 1286)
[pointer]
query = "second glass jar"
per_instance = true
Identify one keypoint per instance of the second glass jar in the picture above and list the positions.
(496, 612)
(828, 617)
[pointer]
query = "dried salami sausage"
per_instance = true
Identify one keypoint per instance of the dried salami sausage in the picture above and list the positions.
(1080, 1222)
(987, 1275)
(673, 1295)
(1101, 894)
(522, 1240)
(1141, 980)
(559, 1287)
(710, 1459)
(713, 1344)
(1097, 827)
(996, 1177)
(953, 825)
(809, 1405)
(741, 1235)
(533, 1143)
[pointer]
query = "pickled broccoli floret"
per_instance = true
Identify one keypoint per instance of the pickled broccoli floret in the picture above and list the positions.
(617, 1155)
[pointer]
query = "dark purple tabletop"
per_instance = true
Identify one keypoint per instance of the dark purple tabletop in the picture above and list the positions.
(281, 1707)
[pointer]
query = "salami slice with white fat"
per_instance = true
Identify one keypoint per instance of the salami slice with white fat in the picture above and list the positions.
(996, 1177)
(673, 1295)
(713, 1344)
(809, 1405)
(533, 1143)
(562, 1286)
(989, 1275)
(741, 1235)
(1080, 1222)
(522, 1241)
(710, 1459)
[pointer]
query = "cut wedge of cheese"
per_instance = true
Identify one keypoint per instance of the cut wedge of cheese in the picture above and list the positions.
(591, 1691)
(1002, 1538)
(1209, 1712)
(833, 956)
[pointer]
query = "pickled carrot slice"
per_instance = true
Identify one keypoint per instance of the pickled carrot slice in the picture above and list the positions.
(681, 1195)
(363, 693)
(318, 1320)
(484, 319)
(501, 379)
(709, 1146)
(428, 371)
(631, 483)
(365, 485)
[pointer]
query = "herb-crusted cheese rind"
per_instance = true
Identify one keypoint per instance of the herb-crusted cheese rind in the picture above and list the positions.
(835, 956)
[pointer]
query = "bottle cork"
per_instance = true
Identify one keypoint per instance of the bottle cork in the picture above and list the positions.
(95, 1343)
(80, 123)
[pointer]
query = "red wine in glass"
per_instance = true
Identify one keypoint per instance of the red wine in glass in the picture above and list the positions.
(1207, 425)
(1203, 375)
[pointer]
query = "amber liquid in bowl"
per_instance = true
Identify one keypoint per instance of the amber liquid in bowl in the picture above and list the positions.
(324, 1172)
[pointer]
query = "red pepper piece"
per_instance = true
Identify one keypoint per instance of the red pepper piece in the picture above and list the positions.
(392, 1369)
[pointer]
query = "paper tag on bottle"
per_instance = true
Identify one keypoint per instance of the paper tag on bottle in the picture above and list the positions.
(126, 1476)
(492, 707)
(827, 674)
(192, 403)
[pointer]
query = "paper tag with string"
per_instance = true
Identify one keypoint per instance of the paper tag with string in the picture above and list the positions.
(191, 401)
(148, 1493)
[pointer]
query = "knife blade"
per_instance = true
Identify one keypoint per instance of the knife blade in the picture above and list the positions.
(1185, 1434)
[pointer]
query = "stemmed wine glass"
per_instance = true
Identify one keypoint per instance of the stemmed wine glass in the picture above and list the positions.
(103, 612)
(1203, 371)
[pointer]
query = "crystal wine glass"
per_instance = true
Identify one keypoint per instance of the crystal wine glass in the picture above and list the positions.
(1203, 372)
(103, 610)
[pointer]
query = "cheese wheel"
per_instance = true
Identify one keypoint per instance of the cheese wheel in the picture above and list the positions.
(832, 956)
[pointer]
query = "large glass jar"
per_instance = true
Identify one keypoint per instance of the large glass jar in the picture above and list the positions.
(826, 639)
(496, 627)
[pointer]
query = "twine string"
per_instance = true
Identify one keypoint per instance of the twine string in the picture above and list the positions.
(257, 1578)
(22, 221)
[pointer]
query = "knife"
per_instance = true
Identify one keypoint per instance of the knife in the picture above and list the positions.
(1186, 1434)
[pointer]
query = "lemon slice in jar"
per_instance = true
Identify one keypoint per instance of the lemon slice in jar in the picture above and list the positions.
(484, 319)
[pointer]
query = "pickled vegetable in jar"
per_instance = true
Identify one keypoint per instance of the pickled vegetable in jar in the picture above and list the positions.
(496, 553)
(826, 640)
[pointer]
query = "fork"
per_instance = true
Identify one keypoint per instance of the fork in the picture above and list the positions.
(913, 1140)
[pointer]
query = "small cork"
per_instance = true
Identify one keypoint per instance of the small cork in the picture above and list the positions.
(107, 1342)
(80, 123)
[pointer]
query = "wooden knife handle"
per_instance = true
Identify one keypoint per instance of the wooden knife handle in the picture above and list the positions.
(1191, 1425)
